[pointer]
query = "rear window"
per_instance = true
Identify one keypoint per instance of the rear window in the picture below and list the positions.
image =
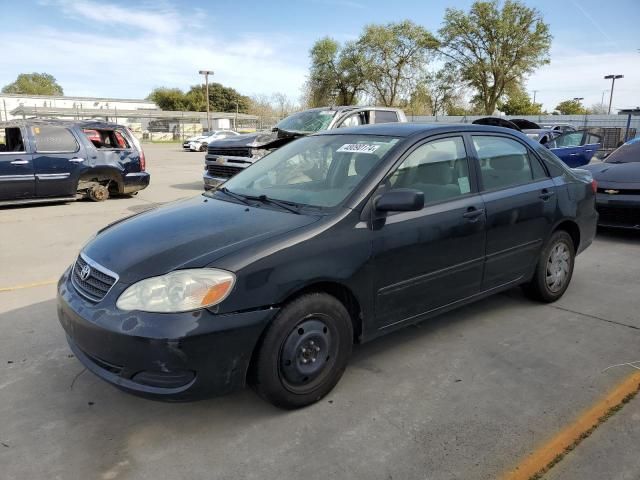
(107, 138)
(54, 139)
(11, 140)
(386, 117)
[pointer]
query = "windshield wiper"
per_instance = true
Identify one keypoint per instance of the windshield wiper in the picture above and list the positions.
(292, 207)
(237, 196)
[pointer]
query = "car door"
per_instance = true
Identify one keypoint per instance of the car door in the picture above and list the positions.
(58, 160)
(571, 149)
(427, 259)
(17, 180)
(520, 201)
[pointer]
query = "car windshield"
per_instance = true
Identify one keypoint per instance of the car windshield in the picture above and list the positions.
(317, 171)
(629, 152)
(309, 121)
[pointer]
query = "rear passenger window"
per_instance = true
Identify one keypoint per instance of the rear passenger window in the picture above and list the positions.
(505, 162)
(54, 139)
(386, 117)
(11, 140)
(439, 168)
(101, 138)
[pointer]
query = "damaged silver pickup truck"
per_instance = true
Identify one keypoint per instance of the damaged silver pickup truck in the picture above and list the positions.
(227, 157)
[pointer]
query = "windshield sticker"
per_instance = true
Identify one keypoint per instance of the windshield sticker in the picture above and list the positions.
(358, 148)
(463, 183)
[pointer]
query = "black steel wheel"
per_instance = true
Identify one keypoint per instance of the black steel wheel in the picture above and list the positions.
(304, 352)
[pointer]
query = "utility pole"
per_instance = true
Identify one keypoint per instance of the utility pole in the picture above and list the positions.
(235, 122)
(602, 99)
(613, 79)
(534, 95)
(206, 74)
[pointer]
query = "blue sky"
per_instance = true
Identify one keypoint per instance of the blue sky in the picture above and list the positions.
(125, 48)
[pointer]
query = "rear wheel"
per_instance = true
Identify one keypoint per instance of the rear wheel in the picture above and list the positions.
(554, 270)
(304, 352)
(99, 193)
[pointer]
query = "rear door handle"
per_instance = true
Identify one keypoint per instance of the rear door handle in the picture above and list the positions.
(76, 160)
(19, 162)
(547, 194)
(473, 213)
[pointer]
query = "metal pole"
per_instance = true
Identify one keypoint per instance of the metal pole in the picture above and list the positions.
(206, 80)
(5, 109)
(626, 133)
(534, 95)
(613, 82)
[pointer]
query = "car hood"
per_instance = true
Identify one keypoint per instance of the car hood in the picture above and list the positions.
(619, 173)
(187, 234)
(257, 140)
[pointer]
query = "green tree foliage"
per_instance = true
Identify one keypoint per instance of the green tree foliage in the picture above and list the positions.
(34, 84)
(518, 102)
(335, 75)
(221, 99)
(395, 56)
(571, 107)
(495, 48)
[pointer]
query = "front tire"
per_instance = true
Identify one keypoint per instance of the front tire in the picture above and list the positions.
(554, 270)
(304, 351)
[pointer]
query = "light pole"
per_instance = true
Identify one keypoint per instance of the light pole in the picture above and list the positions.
(602, 99)
(206, 74)
(613, 79)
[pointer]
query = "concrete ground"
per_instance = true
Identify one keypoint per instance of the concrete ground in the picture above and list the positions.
(466, 395)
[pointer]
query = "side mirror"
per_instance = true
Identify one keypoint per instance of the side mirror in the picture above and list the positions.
(400, 200)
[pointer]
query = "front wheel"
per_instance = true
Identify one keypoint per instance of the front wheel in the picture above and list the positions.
(554, 270)
(203, 147)
(304, 351)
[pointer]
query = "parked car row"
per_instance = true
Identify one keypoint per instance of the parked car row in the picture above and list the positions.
(200, 142)
(329, 240)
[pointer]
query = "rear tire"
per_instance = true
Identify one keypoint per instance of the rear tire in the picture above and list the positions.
(554, 270)
(304, 351)
(99, 193)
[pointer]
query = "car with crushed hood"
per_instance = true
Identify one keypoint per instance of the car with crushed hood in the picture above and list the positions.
(574, 147)
(618, 177)
(334, 239)
(225, 158)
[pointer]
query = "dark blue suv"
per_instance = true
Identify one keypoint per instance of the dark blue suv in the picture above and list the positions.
(53, 160)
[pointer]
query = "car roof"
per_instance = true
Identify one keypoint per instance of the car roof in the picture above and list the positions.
(94, 123)
(408, 129)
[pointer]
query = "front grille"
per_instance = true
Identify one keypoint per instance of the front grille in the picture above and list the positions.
(222, 170)
(230, 152)
(95, 286)
(627, 216)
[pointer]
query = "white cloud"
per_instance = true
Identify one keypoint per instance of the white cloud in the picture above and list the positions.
(575, 73)
(145, 48)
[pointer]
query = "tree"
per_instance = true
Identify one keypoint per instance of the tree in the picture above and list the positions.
(168, 98)
(518, 102)
(393, 58)
(335, 76)
(571, 107)
(598, 109)
(495, 48)
(221, 99)
(444, 89)
(34, 84)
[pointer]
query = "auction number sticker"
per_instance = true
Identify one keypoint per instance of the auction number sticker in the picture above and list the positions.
(358, 148)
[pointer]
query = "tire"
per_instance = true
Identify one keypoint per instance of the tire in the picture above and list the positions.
(304, 352)
(554, 269)
(99, 193)
(203, 147)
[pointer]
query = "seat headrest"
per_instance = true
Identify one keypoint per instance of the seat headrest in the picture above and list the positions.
(507, 162)
(363, 164)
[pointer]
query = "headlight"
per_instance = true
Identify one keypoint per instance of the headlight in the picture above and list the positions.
(178, 291)
(258, 152)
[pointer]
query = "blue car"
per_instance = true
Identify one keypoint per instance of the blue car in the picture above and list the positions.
(575, 148)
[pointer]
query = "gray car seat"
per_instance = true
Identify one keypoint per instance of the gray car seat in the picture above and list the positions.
(506, 170)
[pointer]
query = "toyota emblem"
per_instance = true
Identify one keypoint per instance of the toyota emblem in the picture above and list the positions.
(85, 272)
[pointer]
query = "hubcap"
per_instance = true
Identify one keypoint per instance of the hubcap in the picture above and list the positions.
(306, 352)
(558, 267)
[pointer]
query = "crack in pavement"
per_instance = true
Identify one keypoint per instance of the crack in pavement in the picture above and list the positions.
(595, 317)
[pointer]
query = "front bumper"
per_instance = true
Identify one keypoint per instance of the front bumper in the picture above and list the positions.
(619, 211)
(136, 181)
(212, 182)
(182, 356)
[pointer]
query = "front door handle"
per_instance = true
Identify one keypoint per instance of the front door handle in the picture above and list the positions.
(546, 194)
(473, 213)
(19, 162)
(76, 160)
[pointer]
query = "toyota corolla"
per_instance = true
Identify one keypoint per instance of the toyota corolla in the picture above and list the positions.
(333, 239)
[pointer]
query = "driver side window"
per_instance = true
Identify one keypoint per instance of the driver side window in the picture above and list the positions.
(439, 168)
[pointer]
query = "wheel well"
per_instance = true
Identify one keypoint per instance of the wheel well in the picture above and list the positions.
(572, 229)
(105, 177)
(344, 295)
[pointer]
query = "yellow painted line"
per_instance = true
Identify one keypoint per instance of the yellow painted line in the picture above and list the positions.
(27, 285)
(550, 452)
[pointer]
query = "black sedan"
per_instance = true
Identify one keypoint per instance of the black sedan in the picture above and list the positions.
(618, 177)
(335, 238)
